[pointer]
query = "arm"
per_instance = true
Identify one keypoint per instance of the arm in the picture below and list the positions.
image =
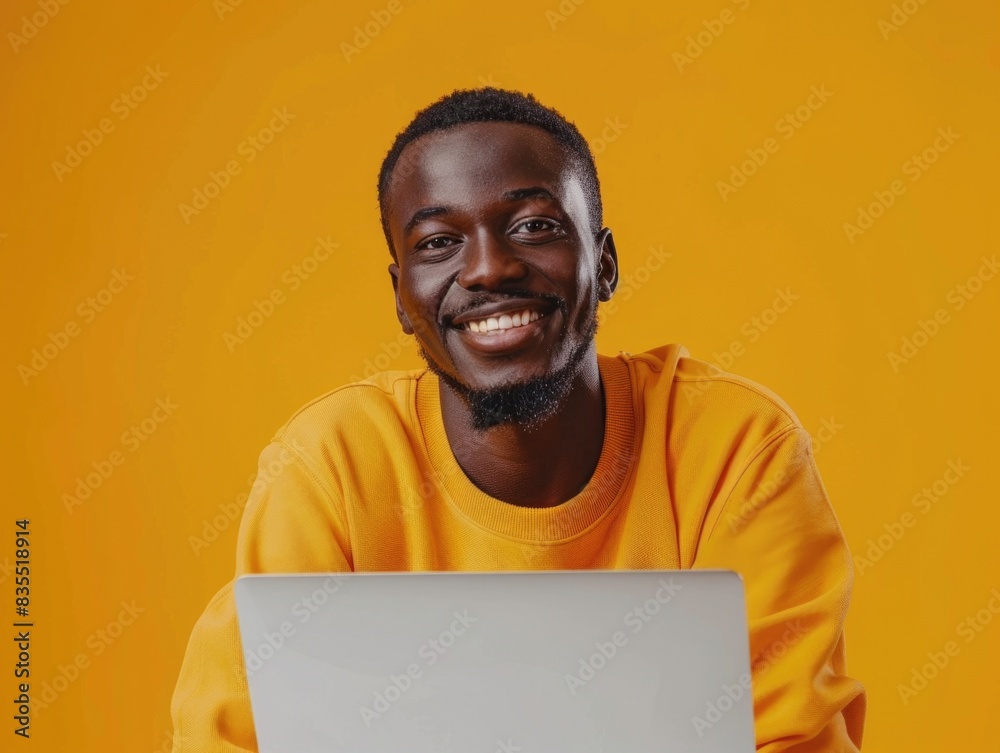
(290, 524)
(778, 530)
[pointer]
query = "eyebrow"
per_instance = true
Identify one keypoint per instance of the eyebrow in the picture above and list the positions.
(518, 194)
(424, 214)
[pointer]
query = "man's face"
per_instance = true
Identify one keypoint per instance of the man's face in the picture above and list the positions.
(498, 273)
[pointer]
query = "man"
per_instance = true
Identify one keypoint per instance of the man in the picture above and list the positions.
(522, 448)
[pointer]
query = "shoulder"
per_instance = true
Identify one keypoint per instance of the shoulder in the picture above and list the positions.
(363, 410)
(704, 406)
(705, 385)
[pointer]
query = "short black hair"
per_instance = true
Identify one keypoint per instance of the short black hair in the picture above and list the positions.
(490, 104)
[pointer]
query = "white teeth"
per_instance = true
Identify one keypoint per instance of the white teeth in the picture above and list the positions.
(504, 321)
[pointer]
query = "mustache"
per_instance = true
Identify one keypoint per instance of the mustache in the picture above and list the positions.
(485, 299)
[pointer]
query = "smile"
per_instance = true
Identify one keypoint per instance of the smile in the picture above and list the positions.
(504, 332)
(497, 324)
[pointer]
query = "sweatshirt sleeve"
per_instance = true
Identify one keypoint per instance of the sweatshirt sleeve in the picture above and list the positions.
(290, 524)
(778, 530)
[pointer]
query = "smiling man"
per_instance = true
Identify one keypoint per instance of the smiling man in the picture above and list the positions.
(520, 447)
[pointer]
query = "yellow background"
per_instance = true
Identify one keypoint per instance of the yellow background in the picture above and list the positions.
(680, 128)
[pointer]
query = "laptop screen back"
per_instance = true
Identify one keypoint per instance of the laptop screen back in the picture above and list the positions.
(574, 661)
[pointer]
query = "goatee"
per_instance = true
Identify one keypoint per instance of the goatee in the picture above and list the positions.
(527, 404)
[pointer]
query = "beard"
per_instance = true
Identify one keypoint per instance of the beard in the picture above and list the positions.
(525, 404)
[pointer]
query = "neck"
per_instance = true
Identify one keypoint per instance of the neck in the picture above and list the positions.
(543, 467)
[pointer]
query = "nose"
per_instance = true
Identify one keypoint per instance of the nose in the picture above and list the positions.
(490, 262)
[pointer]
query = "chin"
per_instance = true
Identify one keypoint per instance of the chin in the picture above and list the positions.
(520, 396)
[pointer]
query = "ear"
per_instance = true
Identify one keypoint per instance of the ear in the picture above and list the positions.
(607, 270)
(404, 321)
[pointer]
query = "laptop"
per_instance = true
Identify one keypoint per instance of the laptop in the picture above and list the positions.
(583, 661)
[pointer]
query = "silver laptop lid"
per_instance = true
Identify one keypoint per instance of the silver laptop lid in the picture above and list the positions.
(554, 661)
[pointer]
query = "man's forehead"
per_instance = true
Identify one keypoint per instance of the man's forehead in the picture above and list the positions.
(479, 159)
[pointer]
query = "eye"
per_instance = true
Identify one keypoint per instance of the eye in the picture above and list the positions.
(538, 229)
(436, 243)
(535, 226)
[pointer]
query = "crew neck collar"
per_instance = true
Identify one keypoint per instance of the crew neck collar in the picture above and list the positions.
(619, 454)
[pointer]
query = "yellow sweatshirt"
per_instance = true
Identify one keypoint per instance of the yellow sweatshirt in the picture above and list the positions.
(699, 469)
